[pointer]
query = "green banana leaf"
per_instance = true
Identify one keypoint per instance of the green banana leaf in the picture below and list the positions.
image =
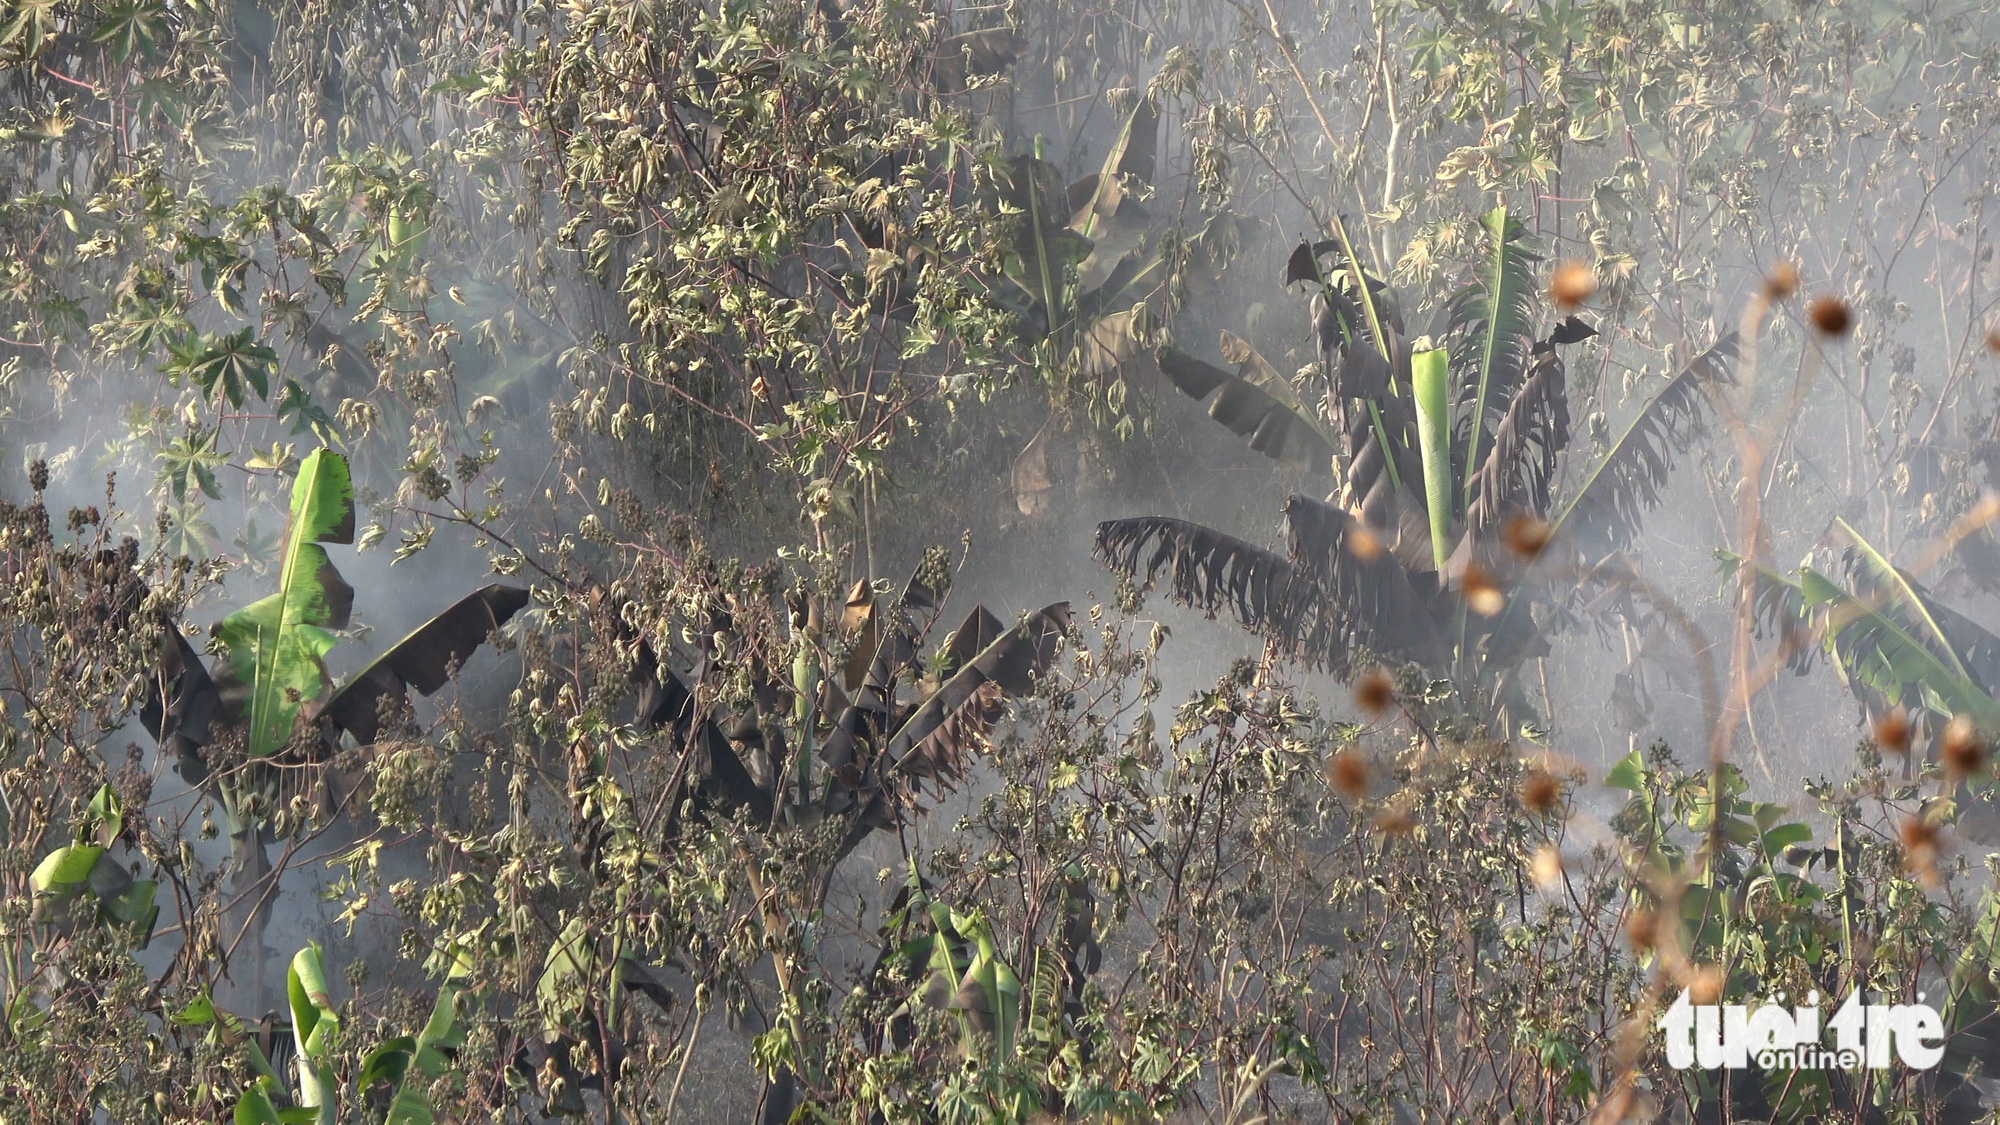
(315, 1027)
(88, 867)
(1870, 647)
(275, 647)
(412, 1063)
(1903, 596)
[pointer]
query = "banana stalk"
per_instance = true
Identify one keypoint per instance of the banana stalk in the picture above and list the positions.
(1430, 376)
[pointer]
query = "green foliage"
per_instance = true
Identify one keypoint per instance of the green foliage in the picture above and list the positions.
(276, 646)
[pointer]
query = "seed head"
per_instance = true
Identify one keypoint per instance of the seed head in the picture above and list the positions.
(1526, 536)
(1642, 930)
(1374, 692)
(1363, 543)
(1571, 285)
(1394, 822)
(1782, 282)
(1892, 731)
(1920, 848)
(38, 475)
(1704, 983)
(1546, 868)
(1831, 315)
(1349, 774)
(1541, 792)
(1481, 593)
(1961, 751)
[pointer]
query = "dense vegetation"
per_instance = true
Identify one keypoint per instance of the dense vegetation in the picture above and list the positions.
(652, 559)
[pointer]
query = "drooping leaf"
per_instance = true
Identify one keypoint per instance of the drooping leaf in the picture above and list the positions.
(1265, 411)
(1874, 652)
(1778, 606)
(1520, 465)
(1605, 512)
(932, 742)
(979, 630)
(274, 647)
(1028, 194)
(1373, 600)
(422, 660)
(665, 702)
(182, 705)
(1875, 578)
(1211, 571)
(976, 54)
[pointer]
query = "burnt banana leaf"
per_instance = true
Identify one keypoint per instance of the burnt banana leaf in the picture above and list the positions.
(1605, 513)
(1520, 464)
(666, 703)
(423, 660)
(1211, 571)
(1256, 404)
(1371, 597)
(933, 741)
(182, 706)
(979, 630)
(1488, 326)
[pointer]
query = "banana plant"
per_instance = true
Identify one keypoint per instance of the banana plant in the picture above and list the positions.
(406, 1066)
(1887, 637)
(1075, 255)
(1449, 454)
(87, 869)
(1011, 1024)
(882, 723)
(864, 722)
(269, 685)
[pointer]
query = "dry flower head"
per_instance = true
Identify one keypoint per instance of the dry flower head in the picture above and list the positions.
(1546, 868)
(1541, 791)
(1642, 930)
(1349, 774)
(1363, 544)
(1920, 848)
(1782, 281)
(1960, 750)
(1892, 731)
(1572, 284)
(1374, 691)
(1830, 315)
(1525, 535)
(1482, 594)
